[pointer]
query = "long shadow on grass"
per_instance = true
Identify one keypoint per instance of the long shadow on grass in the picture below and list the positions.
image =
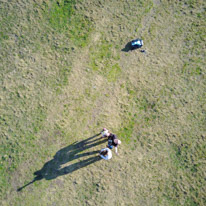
(53, 168)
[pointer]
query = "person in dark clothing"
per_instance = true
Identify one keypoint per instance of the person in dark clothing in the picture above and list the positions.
(112, 140)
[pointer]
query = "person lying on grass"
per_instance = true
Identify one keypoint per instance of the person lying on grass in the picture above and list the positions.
(112, 139)
(106, 153)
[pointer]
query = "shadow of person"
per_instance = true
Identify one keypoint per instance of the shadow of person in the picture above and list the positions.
(53, 168)
(127, 47)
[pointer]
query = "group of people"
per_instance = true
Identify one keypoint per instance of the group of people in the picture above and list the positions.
(113, 142)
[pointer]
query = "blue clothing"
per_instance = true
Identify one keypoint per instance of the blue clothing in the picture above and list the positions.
(110, 146)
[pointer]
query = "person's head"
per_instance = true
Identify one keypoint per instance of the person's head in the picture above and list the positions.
(117, 141)
(104, 152)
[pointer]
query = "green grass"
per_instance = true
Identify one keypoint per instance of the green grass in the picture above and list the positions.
(114, 73)
(103, 60)
(59, 85)
(100, 57)
(127, 131)
(59, 14)
(62, 17)
(24, 111)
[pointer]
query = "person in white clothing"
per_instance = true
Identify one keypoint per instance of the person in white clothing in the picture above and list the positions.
(106, 153)
(104, 132)
(112, 139)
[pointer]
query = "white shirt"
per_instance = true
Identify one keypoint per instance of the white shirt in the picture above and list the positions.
(105, 133)
(109, 154)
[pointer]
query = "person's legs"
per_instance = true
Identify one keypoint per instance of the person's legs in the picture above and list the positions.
(110, 146)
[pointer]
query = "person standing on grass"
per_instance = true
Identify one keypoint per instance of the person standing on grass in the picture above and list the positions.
(104, 132)
(112, 139)
(106, 153)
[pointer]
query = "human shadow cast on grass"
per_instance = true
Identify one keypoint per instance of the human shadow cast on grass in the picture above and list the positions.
(54, 168)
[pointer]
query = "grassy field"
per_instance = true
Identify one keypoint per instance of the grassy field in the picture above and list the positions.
(66, 73)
